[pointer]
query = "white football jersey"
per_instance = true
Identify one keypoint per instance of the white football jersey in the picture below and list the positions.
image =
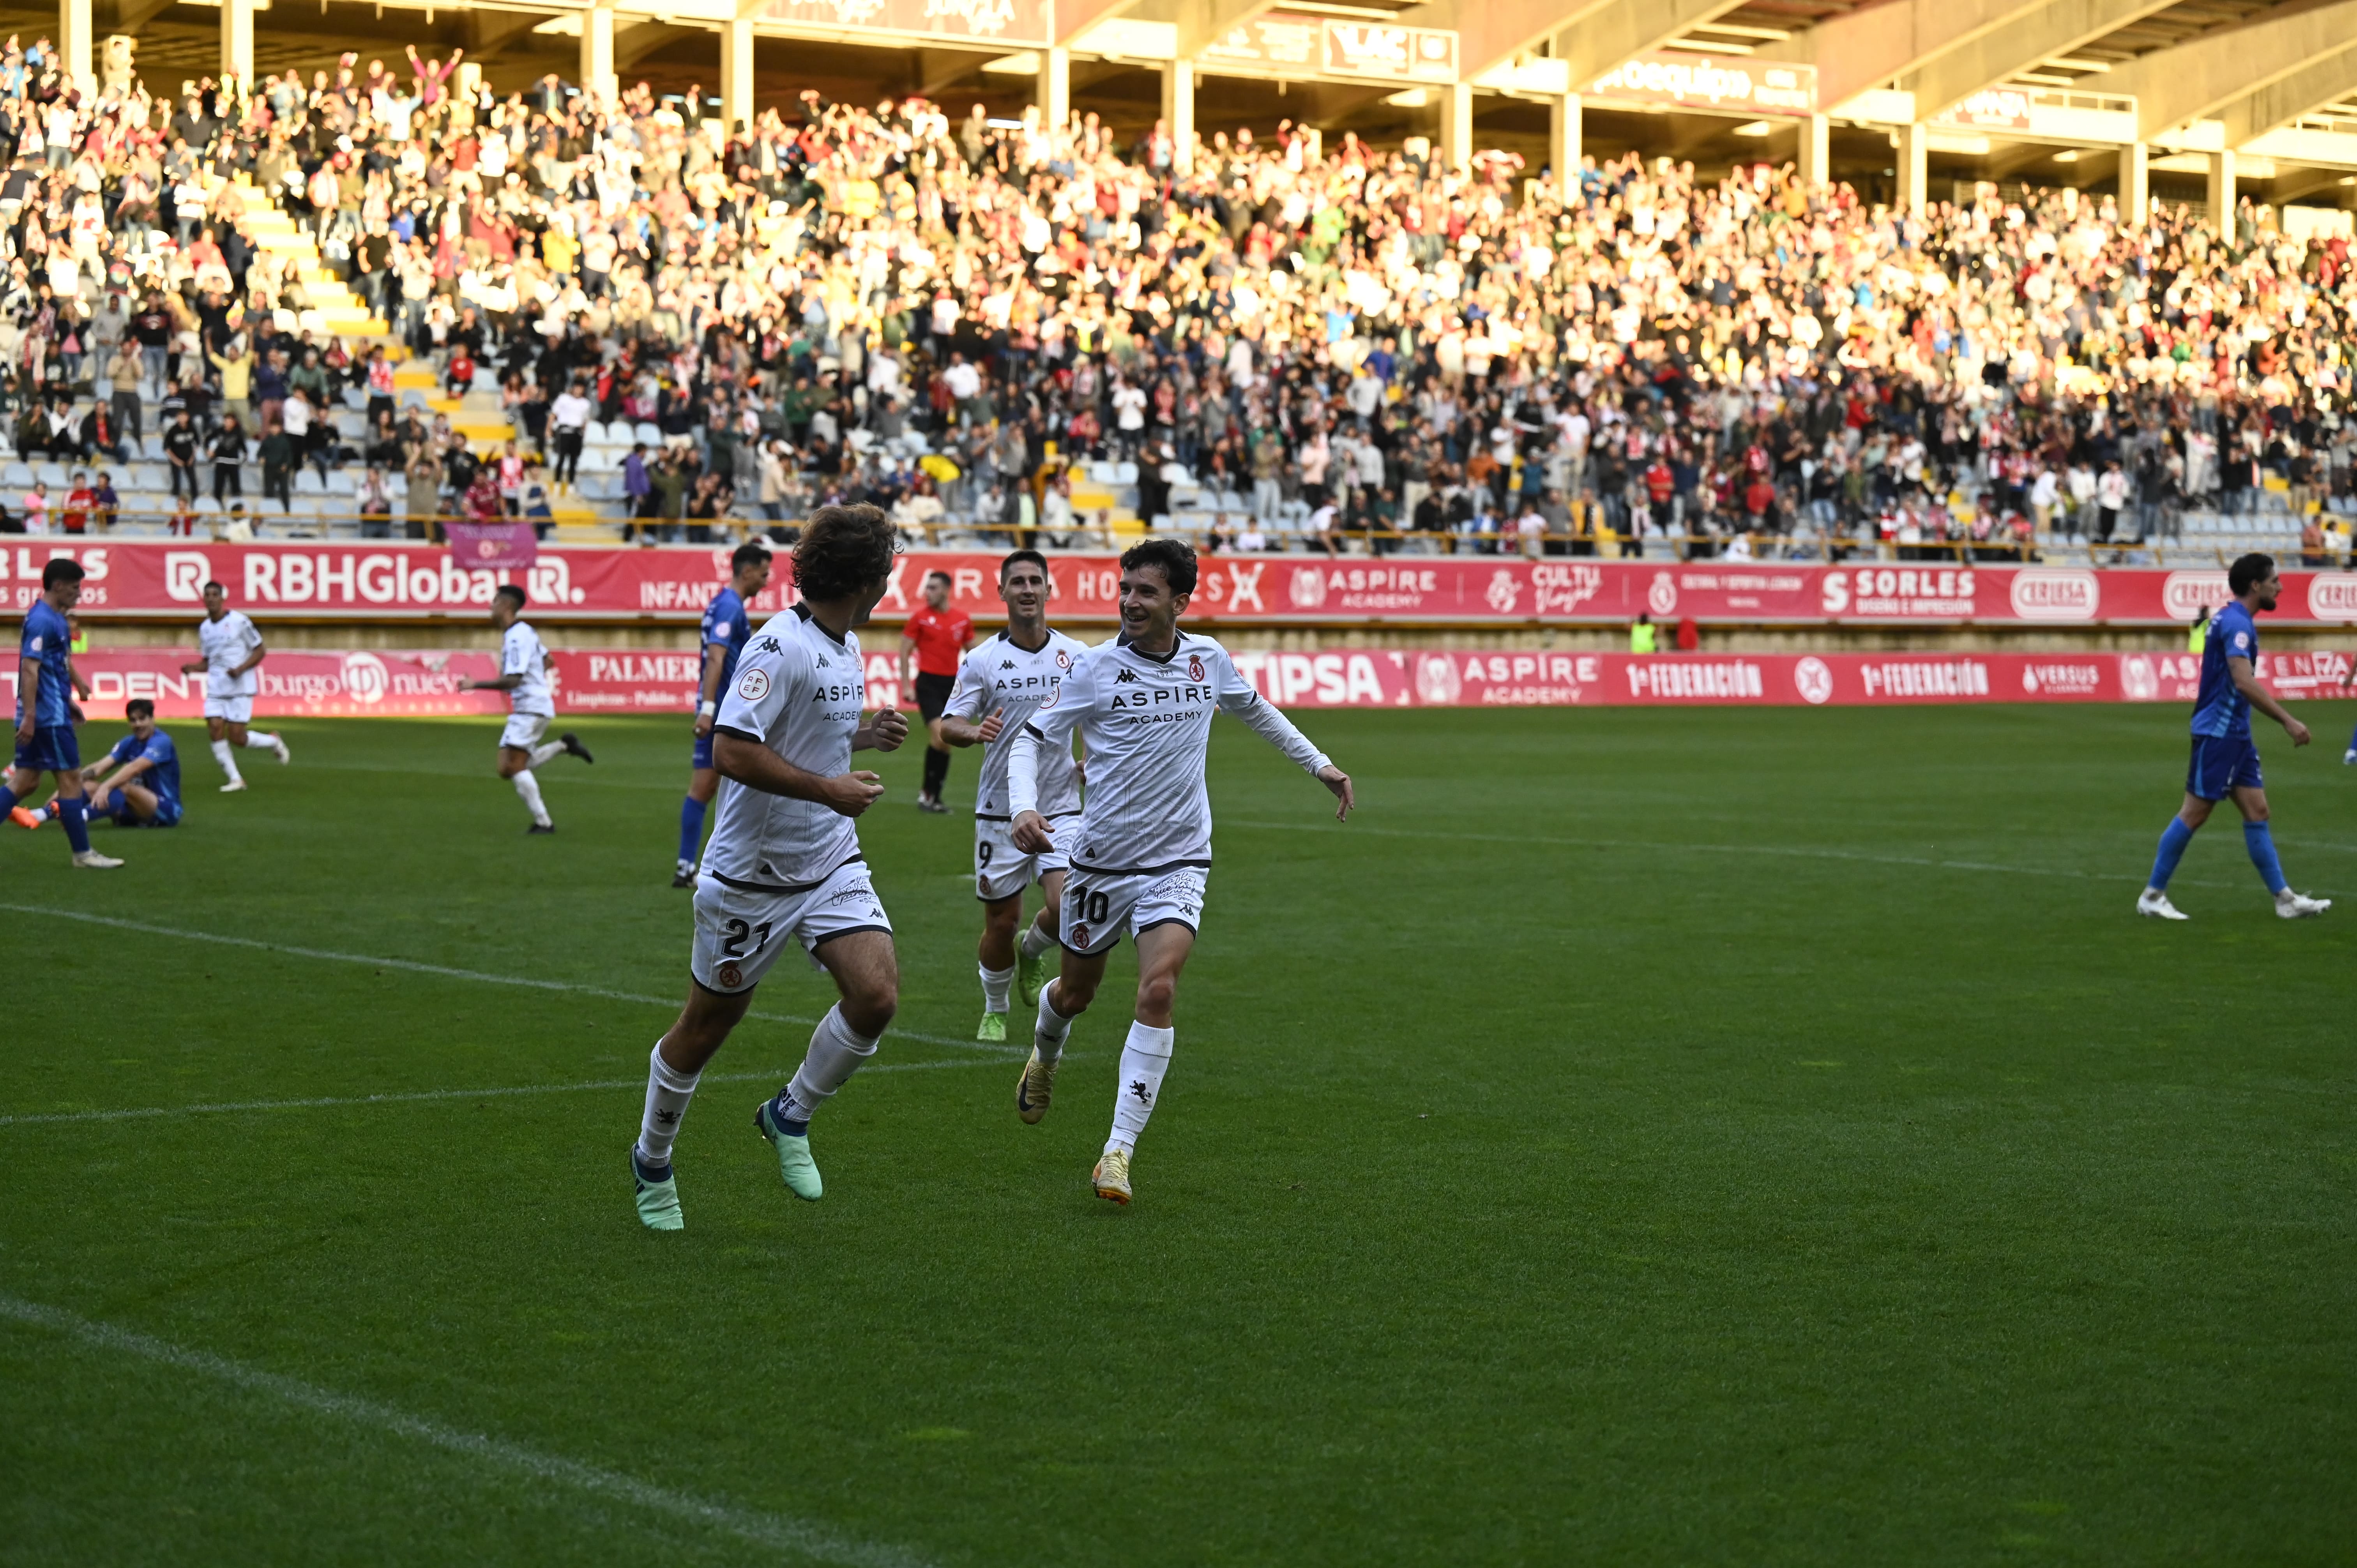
(520, 653)
(227, 643)
(999, 677)
(800, 692)
(1146, 722)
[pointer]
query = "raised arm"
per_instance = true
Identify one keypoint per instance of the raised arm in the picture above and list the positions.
(750, 762)
(958, 725)
(1028, 828)
(1261, 715)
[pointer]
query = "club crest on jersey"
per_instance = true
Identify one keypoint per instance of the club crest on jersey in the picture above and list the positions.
(754, 686)
(729, 976)
(1081, 937)
(1063, 660)
(1194, 667)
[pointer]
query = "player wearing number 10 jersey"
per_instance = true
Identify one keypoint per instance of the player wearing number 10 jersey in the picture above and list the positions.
(1142, 704)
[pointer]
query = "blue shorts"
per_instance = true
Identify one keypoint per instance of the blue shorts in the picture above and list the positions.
(55, 749)
(703, 749)
(2222, 764)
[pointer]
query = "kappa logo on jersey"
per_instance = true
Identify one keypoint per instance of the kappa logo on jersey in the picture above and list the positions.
(1194, 667)
(1127, 676)
(754, 686)
(765, 645)
(1006, 665)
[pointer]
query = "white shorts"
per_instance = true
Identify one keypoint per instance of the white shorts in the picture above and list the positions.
(1100, 906)
(740, 930)
(229, 710)
(1001, 870)
(525, 730)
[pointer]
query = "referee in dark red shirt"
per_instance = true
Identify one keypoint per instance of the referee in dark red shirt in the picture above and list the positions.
(938, 636)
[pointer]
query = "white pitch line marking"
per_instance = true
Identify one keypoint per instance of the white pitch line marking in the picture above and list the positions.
(1785, 850)
(447, 972)
(801, 1537)
(414, 1096)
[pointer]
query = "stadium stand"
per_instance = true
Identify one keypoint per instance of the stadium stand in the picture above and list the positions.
(1033, 326)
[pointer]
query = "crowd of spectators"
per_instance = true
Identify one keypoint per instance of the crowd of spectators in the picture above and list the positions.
(1300, 342)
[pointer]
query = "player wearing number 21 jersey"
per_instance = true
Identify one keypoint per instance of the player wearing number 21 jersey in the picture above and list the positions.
(783, 869)
(1142, 706)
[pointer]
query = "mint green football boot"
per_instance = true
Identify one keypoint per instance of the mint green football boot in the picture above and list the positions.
(794, 1161)
(658, 1198)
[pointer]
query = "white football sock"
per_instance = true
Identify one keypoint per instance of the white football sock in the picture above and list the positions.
(545, 750)
(255, 739)
(1048, 1039)
(668, 1092)
(1035, 940)
(529, 788)
(834, 1054)
(228, 763)
(1144, 1058)
(994, 982)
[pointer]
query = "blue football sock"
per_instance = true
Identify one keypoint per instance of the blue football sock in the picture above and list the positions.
(8, 800)
(690, 828)
(74, 815)
(2173, 840)
(2262, 845)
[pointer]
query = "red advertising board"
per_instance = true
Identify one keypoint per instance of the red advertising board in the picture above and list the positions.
(385, 581)
(354, 684)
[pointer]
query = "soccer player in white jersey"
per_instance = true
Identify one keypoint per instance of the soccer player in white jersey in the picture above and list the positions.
(784, 864)
(1142, 704)
(232, 653)
(523, 676)
(999, 686)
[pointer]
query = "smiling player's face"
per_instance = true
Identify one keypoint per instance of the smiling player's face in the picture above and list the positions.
(1149, 610)
(1025, 590)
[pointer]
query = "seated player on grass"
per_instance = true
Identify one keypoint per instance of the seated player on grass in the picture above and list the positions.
(143, 790)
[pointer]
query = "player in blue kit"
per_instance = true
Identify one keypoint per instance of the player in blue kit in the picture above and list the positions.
(2224, 761)
(47, 685)
(726, 628)
(142, 791)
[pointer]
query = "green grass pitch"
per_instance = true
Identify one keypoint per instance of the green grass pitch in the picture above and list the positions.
(1640, 1137)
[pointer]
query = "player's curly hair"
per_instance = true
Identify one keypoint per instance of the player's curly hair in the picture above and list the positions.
(843, 550)
(1175, 557)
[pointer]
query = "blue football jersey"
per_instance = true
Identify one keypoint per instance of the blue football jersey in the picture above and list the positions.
(48, 639)
(164, 776)
(2219, 709)
(726, 624)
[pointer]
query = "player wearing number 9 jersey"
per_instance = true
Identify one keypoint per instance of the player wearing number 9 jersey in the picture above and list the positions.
(1002, 683)
(783, 863)
(1141, 705)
